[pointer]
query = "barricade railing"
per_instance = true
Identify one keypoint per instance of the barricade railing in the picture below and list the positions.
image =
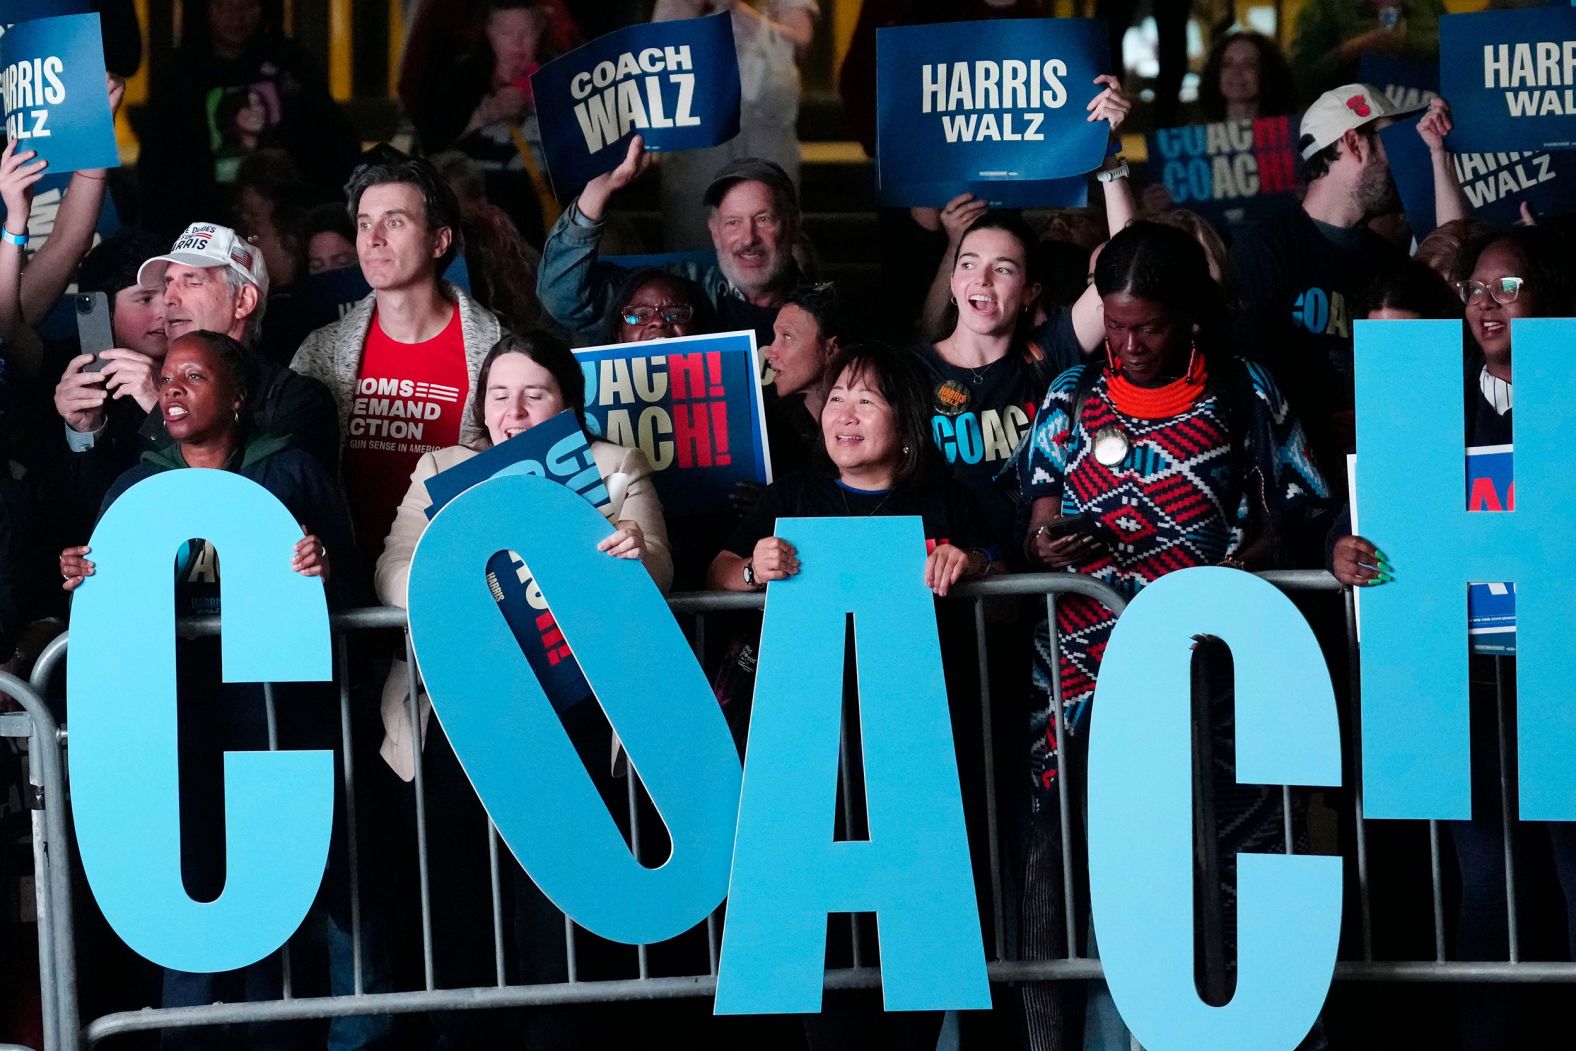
(57, 949)
(46, 797)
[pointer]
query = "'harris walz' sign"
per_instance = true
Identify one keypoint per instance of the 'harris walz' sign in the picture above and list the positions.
(1510, 77)
(675, 83)
(995, 108)
(1496, 184)
(55, 101)
(1230, 172)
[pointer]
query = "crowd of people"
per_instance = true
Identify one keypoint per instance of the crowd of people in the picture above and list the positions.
(1120, 392)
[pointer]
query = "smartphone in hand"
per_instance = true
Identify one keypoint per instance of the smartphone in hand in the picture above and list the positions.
(94, 331)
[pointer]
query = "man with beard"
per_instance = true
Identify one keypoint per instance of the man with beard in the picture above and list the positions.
(753, 218)
(1302, 270)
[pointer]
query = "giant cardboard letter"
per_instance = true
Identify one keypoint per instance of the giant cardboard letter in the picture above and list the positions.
(1141, 821)
(913, 872)
(513, 745)
(279, 806)
(1410, 437)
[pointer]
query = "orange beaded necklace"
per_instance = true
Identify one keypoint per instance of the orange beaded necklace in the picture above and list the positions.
(1157, 403)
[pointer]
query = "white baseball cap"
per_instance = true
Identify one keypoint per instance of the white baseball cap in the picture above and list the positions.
(1345, 109)
(207, 245)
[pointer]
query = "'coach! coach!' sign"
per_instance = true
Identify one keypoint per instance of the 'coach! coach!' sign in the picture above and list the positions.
(993, 108)
(1510, 77)
(56, 102)
(676, 83)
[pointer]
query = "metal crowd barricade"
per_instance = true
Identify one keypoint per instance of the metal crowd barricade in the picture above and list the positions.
(57, 949)
(51, 858)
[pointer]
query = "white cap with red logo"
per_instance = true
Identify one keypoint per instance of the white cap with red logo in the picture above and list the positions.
(205, 245)
(1345, 109)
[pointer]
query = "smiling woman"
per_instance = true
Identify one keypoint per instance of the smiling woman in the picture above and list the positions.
(875, 459)
(524, 381)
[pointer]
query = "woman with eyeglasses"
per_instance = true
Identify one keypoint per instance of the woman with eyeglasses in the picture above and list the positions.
(655, 304)
(1516, 273)
(1519, 273)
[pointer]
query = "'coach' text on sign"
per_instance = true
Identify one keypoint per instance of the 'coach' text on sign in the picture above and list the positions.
(692, 405)
(675, 83)
(1228, 171)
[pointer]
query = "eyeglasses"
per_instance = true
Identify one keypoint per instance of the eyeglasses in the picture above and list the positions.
(673, 314)
(1504, 290)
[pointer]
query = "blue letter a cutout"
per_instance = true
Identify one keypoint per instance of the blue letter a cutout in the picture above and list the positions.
(913, 872)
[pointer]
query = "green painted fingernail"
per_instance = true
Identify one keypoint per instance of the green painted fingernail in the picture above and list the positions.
(1383, 578)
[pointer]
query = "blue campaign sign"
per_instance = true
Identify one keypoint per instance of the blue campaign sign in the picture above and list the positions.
(994, 108)
(1232, 173)
(1496, 184)
(675, 83)
(556, 450)
(1406, 80)
(55, 100)
(692, 405)
(1510, 77)
(1491, 608)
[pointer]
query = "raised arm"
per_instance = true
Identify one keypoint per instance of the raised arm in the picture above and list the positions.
(1450, 200)
(52, 266)
(571, 284)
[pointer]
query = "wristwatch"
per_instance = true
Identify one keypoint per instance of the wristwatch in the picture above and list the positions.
(749, 576)
(1121, 171)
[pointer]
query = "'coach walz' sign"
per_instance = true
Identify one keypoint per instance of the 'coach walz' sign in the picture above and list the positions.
(55, 98)
(675, 83)
(995, 108)
(1510, 77)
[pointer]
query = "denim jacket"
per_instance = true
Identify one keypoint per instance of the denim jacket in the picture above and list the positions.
(577, 288)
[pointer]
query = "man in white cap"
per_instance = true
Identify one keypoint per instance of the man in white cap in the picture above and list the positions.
(1302, 271)
(213, 280)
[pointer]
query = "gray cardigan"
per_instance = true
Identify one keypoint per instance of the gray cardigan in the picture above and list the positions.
(332, 354)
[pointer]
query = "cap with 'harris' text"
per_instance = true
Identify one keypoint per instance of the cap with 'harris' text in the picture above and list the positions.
(205, 245)
(1345, 109)
(750, 169)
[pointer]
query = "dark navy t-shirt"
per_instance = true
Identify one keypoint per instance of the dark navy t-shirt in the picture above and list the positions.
(979, 416)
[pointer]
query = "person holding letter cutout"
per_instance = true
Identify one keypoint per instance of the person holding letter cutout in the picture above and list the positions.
(524, 380)
(205, 403)
(875, 459)
(1167, 454)
(1523, 272)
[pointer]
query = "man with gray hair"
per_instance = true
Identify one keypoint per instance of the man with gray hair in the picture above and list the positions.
(753, 217)
(213, 280)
